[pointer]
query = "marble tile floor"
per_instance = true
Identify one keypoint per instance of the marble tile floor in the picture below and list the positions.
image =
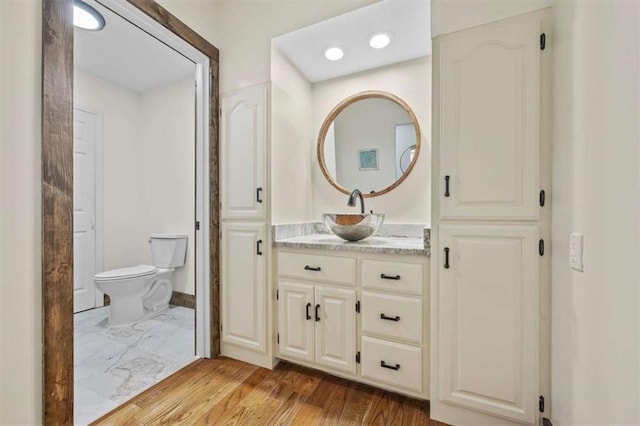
(111, 365)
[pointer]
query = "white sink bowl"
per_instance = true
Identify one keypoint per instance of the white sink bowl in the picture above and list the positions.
(353, 227)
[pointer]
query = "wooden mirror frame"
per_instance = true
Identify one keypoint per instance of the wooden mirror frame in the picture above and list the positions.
(337, 110)
(57, 196)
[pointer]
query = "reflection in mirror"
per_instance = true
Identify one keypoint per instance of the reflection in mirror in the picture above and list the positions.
(370, 142)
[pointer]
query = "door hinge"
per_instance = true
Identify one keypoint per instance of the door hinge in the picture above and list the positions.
(541, 404)
(197, 225)
(541, 247)
(277, 294)
(543, 196)
(358, 306)
(278, 338)
(543, 41)
(358, 357)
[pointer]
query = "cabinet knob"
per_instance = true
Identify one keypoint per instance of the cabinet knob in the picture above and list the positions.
(390, 367)
(308, 313)
(318, 312)
(311, 268)
(384, 317)
(259, 195)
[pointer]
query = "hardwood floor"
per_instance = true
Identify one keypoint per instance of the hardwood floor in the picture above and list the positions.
(225, 391)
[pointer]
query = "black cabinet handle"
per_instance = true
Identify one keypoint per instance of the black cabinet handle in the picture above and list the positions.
(309, 268)
(446, 258)
(317, 312)
(259, 194)
(308, 314)
(446, 186)
(259, 248)
(384, 317)
(390, 367)
(390, 277)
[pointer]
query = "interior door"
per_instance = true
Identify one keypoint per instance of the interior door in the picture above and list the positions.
(488, 319)
(242, 154)
(489, 121)
(84, 238)
(244, 320)
(335, 328)
(296, 320)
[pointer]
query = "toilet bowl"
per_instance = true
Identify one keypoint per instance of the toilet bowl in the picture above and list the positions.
(143, 291)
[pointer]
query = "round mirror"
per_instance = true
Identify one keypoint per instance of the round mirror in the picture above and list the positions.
(370, 141)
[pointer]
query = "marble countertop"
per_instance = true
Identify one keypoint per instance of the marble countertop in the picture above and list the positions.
(398, 239)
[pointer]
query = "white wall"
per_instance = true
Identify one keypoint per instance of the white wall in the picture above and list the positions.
(20, 213)
(595, 328)
(411, 81)
(167, 136)
(149, 168)
(454, 15)
(291, 143)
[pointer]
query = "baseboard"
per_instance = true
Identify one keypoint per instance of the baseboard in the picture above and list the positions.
(183, 299)
(177, 298)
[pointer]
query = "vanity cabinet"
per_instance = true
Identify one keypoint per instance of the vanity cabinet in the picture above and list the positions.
(317, 324)
(356, 315)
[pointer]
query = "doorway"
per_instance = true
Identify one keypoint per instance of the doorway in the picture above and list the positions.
(58, 190)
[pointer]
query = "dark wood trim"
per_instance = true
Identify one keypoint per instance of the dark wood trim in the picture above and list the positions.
(183, 299)
(57, 211)
(57, 196)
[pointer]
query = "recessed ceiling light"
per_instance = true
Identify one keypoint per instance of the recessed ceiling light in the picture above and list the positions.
(333, 53)
(86, 17)
(379, 40)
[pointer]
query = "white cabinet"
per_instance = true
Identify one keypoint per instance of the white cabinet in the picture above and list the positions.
(489, 121)
(317, 324)
(489, 319)
(243, 273)
(490, 281)
(357, 315)
(296, 320)
(335, 316)
(243, 153)
(245, 311)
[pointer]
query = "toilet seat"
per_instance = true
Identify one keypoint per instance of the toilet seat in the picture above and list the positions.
(126, 273)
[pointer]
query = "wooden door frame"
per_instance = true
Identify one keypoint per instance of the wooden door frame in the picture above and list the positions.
(57, 195)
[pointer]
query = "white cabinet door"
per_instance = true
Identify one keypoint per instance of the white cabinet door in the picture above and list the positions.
(243, 273)
(335, 319)
(296, 320)
(488, 319)
(489, 90)
(243, 154)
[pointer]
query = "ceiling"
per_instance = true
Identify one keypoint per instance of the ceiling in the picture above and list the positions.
(125, 55)
(408, 22)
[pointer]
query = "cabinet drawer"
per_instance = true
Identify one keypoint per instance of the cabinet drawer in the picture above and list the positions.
(340, 270)
(392, 276)
(402, 363)
(392, 316)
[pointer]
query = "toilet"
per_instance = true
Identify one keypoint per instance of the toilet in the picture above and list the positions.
(143, 291)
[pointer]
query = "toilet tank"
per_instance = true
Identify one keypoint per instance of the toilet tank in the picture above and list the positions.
(167, 250)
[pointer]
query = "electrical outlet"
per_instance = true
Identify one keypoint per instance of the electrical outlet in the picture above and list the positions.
(576, 249)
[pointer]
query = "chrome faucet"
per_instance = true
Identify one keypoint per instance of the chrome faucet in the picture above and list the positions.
(352, 200)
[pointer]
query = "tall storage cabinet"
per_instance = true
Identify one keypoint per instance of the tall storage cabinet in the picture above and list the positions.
(491, 221)
(244, 212)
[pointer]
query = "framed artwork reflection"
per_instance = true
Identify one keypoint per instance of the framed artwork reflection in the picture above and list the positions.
(368, 159)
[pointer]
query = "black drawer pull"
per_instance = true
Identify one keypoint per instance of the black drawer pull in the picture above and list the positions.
(390, 367)
(389, 277)
(446, 186)
(259, 195)
(446, 258)
(317, 312)
(309, 268)
(259, 248)
(384, 317)
(308, 314)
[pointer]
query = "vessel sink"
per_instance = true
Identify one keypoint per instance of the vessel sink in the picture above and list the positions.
(353, 227)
